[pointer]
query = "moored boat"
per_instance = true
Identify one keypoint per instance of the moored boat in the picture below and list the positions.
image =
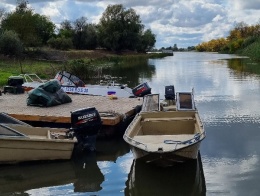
(20, 142)
(164, 137)
(74, 85)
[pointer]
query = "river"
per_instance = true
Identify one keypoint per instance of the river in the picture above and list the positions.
(228, 103)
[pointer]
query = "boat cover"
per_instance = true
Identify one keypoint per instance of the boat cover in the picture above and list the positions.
(48, 94)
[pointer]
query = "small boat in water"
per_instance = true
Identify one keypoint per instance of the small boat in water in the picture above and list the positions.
(20, 142)
(72, 84)
(162, 136)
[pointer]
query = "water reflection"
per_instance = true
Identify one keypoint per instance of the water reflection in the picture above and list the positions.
(25, 177)
(244, 66)
(181, 179)
(111, 149)
(128, 73)
(82, 173)
(88, 174)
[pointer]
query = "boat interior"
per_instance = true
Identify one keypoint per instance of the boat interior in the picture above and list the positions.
(172, 127)
(21, 131)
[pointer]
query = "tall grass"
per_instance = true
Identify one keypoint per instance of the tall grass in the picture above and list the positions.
(252, 50)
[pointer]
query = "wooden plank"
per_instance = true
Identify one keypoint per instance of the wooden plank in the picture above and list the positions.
(15, 106)
(54, 119)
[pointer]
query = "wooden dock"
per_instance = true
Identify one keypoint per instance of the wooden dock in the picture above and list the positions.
(111, 110)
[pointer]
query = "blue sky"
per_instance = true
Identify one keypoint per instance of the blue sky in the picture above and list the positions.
(182, 22)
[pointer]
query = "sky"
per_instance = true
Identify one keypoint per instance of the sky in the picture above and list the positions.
(182, 22)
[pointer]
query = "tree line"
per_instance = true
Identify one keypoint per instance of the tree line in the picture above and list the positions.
(239, 38)
(118, 29)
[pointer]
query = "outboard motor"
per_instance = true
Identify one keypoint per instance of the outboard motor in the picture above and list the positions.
(14, 85)
(169, 92)
(85, 125)
(142, 90)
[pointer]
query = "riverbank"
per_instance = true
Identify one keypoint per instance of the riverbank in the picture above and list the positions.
(252, 51)
(46, 63)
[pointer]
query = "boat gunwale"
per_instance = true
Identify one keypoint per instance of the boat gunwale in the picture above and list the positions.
(24, 137)
(141, 117)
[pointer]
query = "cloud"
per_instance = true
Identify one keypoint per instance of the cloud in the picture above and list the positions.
(249, 4)
(181, 22)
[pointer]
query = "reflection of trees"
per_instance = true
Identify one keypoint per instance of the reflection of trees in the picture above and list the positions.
(131, 73)
(244, 66)
(125, 73)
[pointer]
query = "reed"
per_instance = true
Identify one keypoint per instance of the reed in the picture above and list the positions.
(252, 50)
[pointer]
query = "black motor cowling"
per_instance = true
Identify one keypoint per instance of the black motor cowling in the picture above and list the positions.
(142, 90)
(85, 125)
(169, 92)
(14, 85)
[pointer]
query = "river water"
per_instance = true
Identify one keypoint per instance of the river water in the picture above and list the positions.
(227, 96)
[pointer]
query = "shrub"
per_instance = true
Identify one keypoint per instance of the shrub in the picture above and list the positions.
(10, 44)
(61, 43)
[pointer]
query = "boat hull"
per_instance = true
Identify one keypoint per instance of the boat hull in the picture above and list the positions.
(167, 158)
(21, 150)
(21, 143)
(99, 90)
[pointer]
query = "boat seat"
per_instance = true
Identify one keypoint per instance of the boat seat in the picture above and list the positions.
(154, 141)
(37, 136)
(168, 119)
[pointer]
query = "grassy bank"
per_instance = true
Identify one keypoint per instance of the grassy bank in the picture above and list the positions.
(252, 51)
(47, 63)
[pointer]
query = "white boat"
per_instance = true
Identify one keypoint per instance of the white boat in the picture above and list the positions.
(20, 143)
(164, 136)
(72, 84)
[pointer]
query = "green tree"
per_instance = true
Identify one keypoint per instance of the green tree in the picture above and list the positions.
(61, 43)
(175, 48)
(79, 32)
(82, 34)
(33, 29)
(10, 44)
(91, 37)
(119, 28)
(66, 29)
(147, 41)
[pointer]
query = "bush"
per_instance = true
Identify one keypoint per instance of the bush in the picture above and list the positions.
(61, 43)
(249, 41)
(10, 44)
